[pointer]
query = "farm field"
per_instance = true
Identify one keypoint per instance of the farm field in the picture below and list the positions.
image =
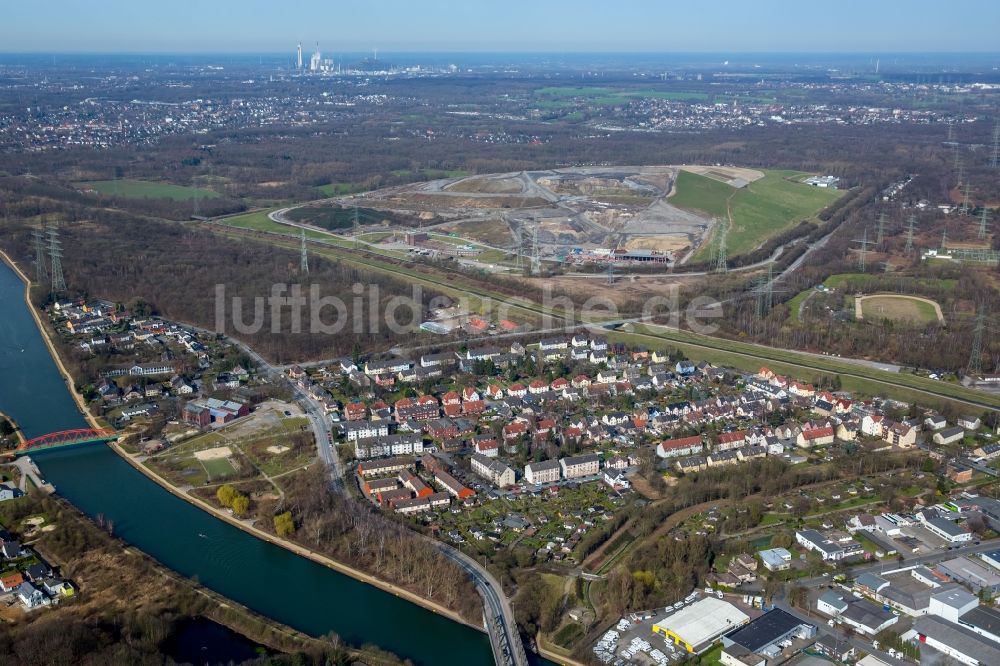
(142, 189)
(898, 308)
(560, 96)
(760, 210)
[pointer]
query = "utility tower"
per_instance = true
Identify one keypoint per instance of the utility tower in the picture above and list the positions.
(995, 159)
(965, 201)
(910, 224)
(863, 251)
(41, 274)
(880, 238)
(765, 293)
(357, 241)
(304, 260)
(611, 272)
(951, 131)
(721, 260)
(984, 219)
(944, 238)
(975, 366)
(55, 258)
(536, 262)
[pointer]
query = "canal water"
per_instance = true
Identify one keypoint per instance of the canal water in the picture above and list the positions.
(262, 576)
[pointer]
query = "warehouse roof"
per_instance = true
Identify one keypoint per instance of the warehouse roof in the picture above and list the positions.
(769, 628)
(958, 638)
(704, 620)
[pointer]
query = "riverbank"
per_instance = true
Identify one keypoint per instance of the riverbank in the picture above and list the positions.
(17, 429)
(319, 558)
(291, 546)
(547, 650)
(70, 385)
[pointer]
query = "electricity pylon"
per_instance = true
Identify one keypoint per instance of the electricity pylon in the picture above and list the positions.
(995, 159)
(55, 258)
(880, 238)
(975, 366)
(983, 223)
(304, 260)
(357, 241)
(721, 260)
(41, 274)
(965, 201)
(863, 251)
(910, 224)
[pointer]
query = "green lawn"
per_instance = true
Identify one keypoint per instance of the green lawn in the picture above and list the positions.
(336, 189)
(760, 210)
(218, 468)
(260, 221)
(141, 189)
(554, 97)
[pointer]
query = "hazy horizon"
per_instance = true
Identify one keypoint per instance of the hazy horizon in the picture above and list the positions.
(436, 26)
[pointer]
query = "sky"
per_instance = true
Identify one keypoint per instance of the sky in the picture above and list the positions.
(659, 26)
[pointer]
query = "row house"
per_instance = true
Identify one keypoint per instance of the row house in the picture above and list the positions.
(493, 470)
(355, 430)
(418, 409)
(731, 440)
(424, 503)
(377, 368)
(388, 445)
(547, 471)
(452, 485)
(383, 466)
(815, 437)
(574, 467)
(683, 446)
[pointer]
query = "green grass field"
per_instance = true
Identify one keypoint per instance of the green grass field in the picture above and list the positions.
(555, 97)
(898, 308)
(763, 209)
(141, 189)
(260, 221)
(220, 468)
(337, 189)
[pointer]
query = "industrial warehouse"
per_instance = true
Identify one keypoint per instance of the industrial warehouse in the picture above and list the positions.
(697, 626)
(765, 635)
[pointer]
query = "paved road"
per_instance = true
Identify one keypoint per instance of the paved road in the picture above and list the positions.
(504, 637)
(820, 622)
(29, 470)
(930, 558)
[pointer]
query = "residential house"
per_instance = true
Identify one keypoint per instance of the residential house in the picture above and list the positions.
(574, 467)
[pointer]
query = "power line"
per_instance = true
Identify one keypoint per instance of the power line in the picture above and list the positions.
(304, 260)
(995, 159)
(55, 257)
(975, 366)
(863, 251)
(357, 240)
(721, 260)
(41, 274)
(910, 224)
(536, 264)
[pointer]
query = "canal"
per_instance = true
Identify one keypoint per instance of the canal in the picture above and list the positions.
(264, 577)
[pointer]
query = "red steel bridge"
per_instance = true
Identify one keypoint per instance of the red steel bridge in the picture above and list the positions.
(64, 438)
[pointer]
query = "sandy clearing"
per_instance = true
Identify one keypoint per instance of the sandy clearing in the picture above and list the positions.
(214, 454)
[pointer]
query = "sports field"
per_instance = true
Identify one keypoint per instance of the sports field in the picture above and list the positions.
(898, 308)
(143, 189)
(760, 210)
(219, 468)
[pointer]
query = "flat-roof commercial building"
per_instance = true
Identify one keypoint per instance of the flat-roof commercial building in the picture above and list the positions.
(971, 572)
(762, 635)
(696, 627)
(959, 643)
